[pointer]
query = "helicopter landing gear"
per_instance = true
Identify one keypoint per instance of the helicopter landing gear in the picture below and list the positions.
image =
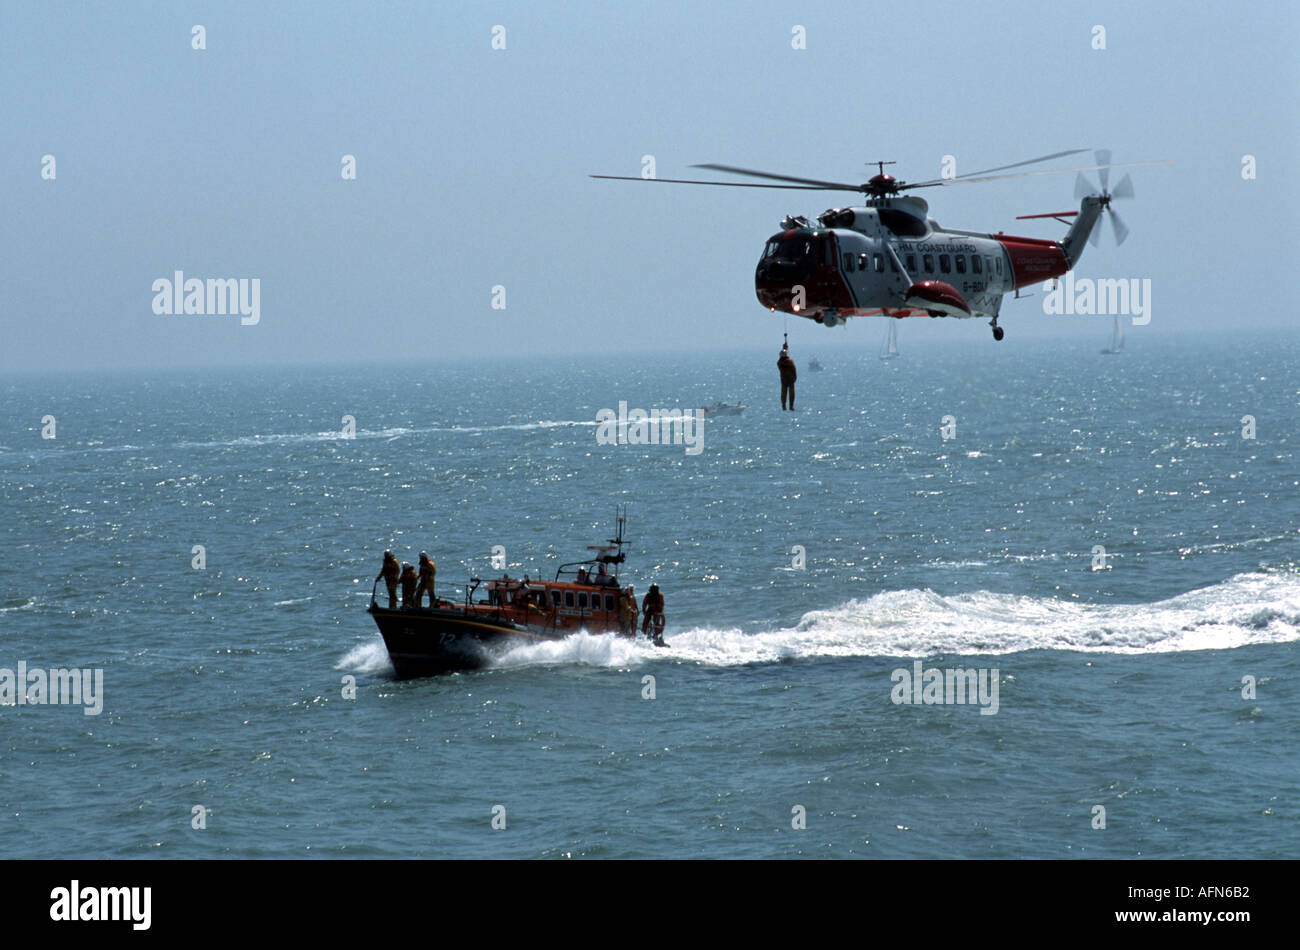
(998, 332)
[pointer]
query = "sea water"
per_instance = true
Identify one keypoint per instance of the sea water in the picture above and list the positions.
(1110, 543)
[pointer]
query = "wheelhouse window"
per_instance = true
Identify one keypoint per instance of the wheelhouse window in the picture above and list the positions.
(582, 600)
(961, 263)
(555, 597)
(609, 601)
(928, 261)
(945, 265)
(568, 598)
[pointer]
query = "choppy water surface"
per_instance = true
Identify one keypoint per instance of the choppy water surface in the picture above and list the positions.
(1120, 681)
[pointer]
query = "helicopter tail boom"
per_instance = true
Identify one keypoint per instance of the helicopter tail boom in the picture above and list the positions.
(1074, 240)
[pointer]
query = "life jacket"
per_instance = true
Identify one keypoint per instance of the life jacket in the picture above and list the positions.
(428, 569)
(392, 570)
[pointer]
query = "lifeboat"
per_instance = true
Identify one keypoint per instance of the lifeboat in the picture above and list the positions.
(500, 614)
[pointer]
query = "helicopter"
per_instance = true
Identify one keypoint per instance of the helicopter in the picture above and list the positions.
(891, 259)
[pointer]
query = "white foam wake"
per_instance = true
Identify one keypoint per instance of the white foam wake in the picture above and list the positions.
(371, 657)
(1247, 609)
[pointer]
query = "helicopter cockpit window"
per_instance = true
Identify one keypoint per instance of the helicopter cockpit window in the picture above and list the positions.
(945, 265)
(928, 261)
(961, 263)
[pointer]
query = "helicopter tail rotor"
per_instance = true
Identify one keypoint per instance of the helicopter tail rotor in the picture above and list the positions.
(1123, 189)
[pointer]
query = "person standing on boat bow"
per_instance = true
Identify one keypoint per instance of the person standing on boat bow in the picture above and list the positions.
(408, 584)
(428, 571)
(391, 571)
(788, 375)
(653, 609)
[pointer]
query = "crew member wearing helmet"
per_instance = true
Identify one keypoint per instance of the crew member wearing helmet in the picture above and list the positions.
(428, 571)
(653, 609)
(627, 612)
(408, 584)
(788, 375)
(391, 571)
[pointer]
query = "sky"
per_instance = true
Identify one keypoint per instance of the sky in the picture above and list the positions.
(472, 163)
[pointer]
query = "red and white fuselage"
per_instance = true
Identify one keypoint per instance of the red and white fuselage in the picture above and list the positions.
(891, 259)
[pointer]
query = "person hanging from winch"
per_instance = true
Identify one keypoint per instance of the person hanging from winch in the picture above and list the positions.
(428, 571)
(390, 572)
(653, 609)
(788, 374)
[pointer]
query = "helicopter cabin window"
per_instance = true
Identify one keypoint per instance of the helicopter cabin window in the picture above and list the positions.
(880, 263)
(582, 600)
(975, 263)
(848, 263)
(999, 267)
(910, 263)
(961, 263)
(568, 598)
(945, 265)
(862, 262)
(928, 261)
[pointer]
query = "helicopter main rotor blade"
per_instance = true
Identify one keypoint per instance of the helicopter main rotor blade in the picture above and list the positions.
(1103, 161)
(724, 184)
(1055, 171)
(1000, 168)
(752, 173)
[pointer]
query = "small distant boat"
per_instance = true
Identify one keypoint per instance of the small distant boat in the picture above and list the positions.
(723, 409)
(890, 350)
(1116, 339)
(814, 366)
